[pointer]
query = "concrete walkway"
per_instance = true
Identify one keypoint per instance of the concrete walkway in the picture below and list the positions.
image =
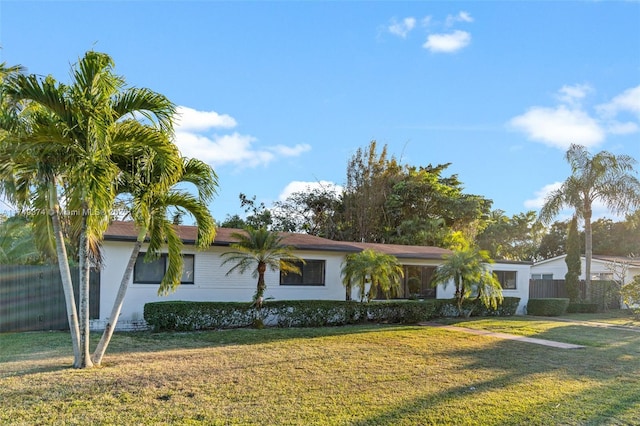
(551, 343)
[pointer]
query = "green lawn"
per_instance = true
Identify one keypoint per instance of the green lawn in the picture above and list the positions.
(360, 375)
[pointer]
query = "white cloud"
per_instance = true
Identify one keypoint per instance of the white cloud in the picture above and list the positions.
(627, 101)
(541, 196)
(301, 186)
(192, 120)
(617, 128)
(217, 150)
(462, 16)
(559, 127)
(447, 43)
(573, 95)
(402, 28)
(290, 151)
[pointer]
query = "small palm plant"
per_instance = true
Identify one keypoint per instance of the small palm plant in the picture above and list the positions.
(468, 268)
(259, 249)
(380, 271)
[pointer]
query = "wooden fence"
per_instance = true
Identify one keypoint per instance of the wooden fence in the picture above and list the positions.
(32, 298)
(602, 292)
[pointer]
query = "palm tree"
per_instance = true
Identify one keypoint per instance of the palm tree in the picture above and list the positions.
(76, 133)
(259, 249)
(468, 268)
(603, 177)
(151, 202)
(381, 271)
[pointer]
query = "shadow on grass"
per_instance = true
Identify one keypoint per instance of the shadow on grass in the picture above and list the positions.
(24, 353)
(612, 363)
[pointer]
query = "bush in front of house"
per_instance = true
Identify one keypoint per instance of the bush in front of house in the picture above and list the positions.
(551, 307)
(187, 316)
(582, 308)
(508, 307)
(183, 316)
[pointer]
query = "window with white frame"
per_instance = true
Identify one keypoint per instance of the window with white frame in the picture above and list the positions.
(508, 279)
(153, 272)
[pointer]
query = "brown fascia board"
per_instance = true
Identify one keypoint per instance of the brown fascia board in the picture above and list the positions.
(126, 231)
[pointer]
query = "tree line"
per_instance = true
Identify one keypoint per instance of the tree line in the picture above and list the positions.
(385, 201)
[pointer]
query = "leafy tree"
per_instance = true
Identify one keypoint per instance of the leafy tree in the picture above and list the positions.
(312, 211)
(152, 199)
(260, 249)
(573, 261)
(370, 177)
(631, 295)
(380, 271)
(78, 134)
(17, 244)
(468, 268)
(385, 201)
(602, 177)
(512, 238)
(554, 241)
(615, 238)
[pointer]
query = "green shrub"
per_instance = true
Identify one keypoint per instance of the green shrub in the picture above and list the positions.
(508, 307)
(184, 316)
(551, 307)
(582, 308)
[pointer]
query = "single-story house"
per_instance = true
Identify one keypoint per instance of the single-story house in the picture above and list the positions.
(204, 278)
(602, 268)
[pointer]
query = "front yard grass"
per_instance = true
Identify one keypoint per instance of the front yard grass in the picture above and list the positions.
(357, 375)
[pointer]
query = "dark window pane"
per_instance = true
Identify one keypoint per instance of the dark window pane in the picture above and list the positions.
(153, 272)
(148, 272)
(507, 279)
(312, 274)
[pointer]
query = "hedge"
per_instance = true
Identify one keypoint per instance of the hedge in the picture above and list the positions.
(582, 308)
(187, 316)
(184, 316)
(449, 308)
(551, 307)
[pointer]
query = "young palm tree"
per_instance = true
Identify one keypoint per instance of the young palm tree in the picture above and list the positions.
(381, 271)
(76, 133)
(603, 177)
(151, 202)
(468, 268)
(259, 249)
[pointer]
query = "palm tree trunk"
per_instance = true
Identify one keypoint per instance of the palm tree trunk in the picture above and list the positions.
(588, 248)
(117, 304)
(65, 273)
(85, 356)
(262, 267)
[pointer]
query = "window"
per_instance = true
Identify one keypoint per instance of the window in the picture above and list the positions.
(153, 272)
(312, 274)
(507, 279)
(541, 276)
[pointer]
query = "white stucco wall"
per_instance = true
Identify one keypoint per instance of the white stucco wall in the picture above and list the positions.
(558, 267)
(212, 284)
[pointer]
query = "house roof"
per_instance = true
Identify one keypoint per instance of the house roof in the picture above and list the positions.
(126, 231)
(632, 261)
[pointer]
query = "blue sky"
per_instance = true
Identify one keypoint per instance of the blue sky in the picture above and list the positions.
(279, 95)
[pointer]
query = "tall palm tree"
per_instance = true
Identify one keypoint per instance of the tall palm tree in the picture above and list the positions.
(468, 268)
(381, 271)
(150, 210)
(76, 134)
(604, 177)
(260, 249)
